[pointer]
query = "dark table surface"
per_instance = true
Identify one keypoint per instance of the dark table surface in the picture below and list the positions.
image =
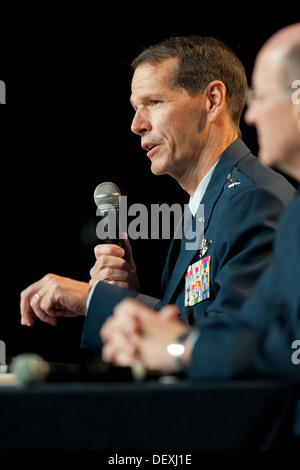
(151, 415)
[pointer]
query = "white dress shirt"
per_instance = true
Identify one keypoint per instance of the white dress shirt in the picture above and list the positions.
(199, 193)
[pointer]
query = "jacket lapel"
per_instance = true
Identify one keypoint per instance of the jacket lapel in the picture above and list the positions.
(172, 276)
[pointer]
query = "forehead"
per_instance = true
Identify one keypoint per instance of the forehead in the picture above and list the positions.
(153, 77)
(266, 71)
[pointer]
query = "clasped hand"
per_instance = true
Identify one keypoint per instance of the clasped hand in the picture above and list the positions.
(136, 333)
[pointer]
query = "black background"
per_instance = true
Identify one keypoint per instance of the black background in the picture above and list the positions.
(67, 129)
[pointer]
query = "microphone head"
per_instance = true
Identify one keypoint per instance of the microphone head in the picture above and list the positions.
(29, 368)
(107, 194)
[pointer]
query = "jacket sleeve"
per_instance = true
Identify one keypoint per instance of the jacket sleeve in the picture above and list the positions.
(101, 305)
(251, 345)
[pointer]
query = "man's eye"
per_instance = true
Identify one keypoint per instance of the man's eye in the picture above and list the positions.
(155, 102)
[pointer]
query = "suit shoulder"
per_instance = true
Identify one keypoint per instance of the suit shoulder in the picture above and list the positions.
(263, 180)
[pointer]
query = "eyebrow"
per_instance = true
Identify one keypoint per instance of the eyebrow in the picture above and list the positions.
(147, 98)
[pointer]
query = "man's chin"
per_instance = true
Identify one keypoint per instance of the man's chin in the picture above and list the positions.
(157, 171)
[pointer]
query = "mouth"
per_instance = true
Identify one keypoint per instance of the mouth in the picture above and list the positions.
(150, 148)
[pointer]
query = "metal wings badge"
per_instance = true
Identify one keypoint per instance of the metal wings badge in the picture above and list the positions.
(204, 247)
(231, 181)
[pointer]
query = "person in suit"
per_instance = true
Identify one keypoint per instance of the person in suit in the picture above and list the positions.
(188, 95)
(263, 337)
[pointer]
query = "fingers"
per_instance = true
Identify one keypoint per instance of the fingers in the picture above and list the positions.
(127, 314)
(111, 250)
(111, 266)
(119, 350)
(131, 318)
(120, 331)
(114, 271)
(169, 312)
(115, 250)
(118, 334)
(30, 305)
(123, 320)
(135, 332)
(39, 310)
(53, 296)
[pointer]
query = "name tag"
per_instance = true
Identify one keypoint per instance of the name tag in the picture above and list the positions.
(197, 282)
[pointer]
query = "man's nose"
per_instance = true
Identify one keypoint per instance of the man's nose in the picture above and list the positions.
(140, 124)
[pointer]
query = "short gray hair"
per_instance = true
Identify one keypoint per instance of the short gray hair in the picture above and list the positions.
(201, 60)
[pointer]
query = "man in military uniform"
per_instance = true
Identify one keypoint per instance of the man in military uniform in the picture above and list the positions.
(188, 95)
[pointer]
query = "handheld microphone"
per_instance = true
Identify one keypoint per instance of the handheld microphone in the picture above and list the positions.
(107, 198)
(30, 368)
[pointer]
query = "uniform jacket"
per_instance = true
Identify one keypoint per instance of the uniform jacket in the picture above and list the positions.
(264, 336)
(242, 205)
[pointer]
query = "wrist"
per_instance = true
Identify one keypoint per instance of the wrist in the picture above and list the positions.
(181, 349)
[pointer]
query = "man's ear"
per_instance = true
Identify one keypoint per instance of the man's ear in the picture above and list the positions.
(216, 99)
(296, 108)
